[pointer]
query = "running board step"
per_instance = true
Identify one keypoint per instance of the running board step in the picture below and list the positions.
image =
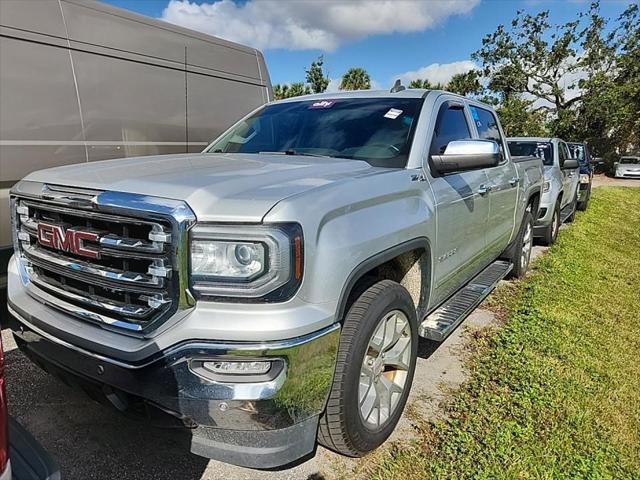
(566, 213)
(441, 322)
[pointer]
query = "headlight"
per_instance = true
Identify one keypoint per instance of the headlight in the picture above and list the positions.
(218, 259)
(256, 262)
(584, 178)
(546, 186)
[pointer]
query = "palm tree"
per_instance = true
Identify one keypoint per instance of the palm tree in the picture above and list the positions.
(280, 91)
(426, 84)
(355, 79)
(296, 89)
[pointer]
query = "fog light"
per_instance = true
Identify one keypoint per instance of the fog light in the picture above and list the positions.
(237, 368)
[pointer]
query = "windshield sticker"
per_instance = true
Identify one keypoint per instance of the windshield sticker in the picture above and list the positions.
(322, 104)
(393, 113)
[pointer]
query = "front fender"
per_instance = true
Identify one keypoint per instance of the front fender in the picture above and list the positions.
(346, 226)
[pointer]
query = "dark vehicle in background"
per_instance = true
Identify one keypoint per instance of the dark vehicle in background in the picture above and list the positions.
(580, 151)
(628, 167)
(21, 456)
(81, 81)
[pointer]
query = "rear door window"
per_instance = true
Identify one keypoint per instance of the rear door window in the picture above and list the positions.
(487, 125)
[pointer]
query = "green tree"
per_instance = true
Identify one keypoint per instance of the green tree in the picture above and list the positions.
(426, 84)
(287, 91)
(581, 78)
(533, 57)
(465, 83)
(280, 91)
(518, 119)
(315, 76)
(355, 79)
(298, 88)
(608, 117)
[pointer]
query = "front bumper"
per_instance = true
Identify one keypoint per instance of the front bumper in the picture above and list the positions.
(265, 423)
(627, 174)
(545, 214)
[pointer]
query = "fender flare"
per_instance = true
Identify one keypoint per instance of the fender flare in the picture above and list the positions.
(377, 260)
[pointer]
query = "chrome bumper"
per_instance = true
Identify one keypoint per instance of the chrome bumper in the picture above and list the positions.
(274, 418)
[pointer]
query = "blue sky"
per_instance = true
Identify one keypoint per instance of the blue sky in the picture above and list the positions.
(405, 39)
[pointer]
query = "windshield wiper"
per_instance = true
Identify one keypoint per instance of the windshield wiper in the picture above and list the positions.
(294, 152)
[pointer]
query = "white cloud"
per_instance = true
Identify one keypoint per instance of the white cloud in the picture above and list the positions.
(437, 72)
(334, 85)
(301, 25)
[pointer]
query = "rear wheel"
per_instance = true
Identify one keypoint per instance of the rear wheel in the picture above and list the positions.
(520, 255)
(374, 371)
(551, 232)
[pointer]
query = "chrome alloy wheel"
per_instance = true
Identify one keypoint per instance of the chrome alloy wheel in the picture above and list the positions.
(556, 224)
(385, 368)
(527, 245)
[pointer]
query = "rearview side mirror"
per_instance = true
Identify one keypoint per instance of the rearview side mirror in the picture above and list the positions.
(570, 164)
(461, 155)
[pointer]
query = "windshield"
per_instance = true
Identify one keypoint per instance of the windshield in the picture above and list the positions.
(543, 150)
(630, 160)
(577, 151)
(377, 130)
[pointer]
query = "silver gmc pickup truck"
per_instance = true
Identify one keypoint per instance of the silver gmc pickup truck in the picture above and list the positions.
(271, 291)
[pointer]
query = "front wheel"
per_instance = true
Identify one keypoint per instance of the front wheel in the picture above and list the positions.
(375, 366)
(551, 232)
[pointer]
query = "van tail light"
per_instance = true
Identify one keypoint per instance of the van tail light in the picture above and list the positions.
(4, 423)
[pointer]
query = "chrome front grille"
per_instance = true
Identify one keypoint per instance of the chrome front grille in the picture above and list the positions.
(113, 258)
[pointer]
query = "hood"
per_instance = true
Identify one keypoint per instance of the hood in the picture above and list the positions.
(218, 187)
(548, 172)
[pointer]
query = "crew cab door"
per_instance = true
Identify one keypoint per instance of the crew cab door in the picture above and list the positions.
(570, 178)
(503, 181)
(462, 207)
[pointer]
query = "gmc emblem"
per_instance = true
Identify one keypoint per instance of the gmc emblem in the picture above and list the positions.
(72, 241)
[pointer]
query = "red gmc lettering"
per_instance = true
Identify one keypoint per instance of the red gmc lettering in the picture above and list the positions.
(56, 237)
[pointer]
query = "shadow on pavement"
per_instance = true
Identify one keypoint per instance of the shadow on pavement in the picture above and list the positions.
(426, 347)
(90, 440)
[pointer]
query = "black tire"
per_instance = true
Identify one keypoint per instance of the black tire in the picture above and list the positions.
(342, 428)
(517, 254)
(574, 209)
(582, 206)
(550, 234)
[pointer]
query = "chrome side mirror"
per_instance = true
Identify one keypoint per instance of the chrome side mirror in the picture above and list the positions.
(462, 155)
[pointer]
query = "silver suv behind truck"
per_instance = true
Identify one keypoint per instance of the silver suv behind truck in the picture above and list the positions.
(272, 290)
(561, 180)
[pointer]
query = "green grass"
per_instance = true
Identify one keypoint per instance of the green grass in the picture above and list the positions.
(555, 393)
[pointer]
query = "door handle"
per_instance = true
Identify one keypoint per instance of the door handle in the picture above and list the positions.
(513, 182)
(484, 190)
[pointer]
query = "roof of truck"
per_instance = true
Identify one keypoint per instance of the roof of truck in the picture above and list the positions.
(408, 93)
(533, 139)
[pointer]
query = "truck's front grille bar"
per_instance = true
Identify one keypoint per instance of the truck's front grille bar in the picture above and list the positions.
(121, 264)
